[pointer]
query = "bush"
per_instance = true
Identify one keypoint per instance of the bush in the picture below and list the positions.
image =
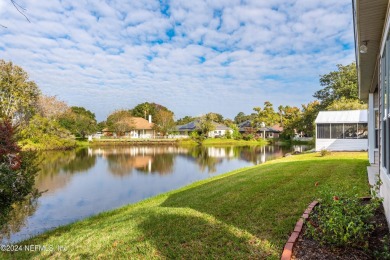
(228, 135)
(325, 152)
(248, 137)
(45, 134)
(341, 220)
(17, 171)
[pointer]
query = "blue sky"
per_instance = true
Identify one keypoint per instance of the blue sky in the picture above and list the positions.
(193, 57)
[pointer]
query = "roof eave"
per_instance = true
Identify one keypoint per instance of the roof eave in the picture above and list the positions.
(369, 19)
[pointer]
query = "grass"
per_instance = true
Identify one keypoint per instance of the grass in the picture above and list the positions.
(135, 141)
(181, 142)
(223, 142)
(247, 213)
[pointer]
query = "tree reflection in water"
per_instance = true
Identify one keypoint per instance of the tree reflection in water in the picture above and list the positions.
(203, 157)
(123, 164)
(82, 161)
(18, 215)
(57, 167)
(161, 164)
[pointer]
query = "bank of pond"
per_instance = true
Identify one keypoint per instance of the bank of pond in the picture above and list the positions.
(96, 142)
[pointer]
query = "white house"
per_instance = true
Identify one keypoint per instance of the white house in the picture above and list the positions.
(372, 45)
(219, 129)
(141, 128)
(342, 130)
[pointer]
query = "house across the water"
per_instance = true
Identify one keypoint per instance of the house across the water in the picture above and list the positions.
(268, 132)
(219, 129)
(342, 130)
(140, 128)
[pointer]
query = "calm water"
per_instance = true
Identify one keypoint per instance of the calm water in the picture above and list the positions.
(82, 183)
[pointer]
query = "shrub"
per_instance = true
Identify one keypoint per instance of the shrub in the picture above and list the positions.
(17, 170)
(325, 152)
(342, 220)
(45, 134)
(248, 137)
(228, 135)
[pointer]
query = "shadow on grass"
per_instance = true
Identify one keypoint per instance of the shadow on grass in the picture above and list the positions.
(267, 201)
(187, 234)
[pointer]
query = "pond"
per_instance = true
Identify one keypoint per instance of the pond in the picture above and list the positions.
(80, 183)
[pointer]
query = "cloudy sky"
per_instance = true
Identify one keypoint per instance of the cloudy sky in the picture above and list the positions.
(193, 57)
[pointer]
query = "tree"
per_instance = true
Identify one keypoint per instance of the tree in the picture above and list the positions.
(145, 109)
(228, 122)
(185, 120)
(43, 133)
(51, 107)
(164, 122)
(338, 84)
(79, 121)
(101, 125)
(266, 115)
(290, 118)
(18, 95)
(240, 117)
(309, 115)
(160, 119)
(120, 121)
(205, 124)
(346, 104)
(218, 118)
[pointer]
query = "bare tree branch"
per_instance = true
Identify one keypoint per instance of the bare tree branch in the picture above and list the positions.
(19, 8)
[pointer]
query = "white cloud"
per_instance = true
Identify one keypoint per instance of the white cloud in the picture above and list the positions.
(191, 56)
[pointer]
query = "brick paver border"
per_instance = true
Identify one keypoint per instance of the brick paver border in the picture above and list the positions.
(288, 248)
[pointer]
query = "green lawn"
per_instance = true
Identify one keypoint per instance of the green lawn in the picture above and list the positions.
(245, 214)
(223, 142)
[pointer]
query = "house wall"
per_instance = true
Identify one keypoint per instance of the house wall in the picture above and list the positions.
(385, 192)
(383, 76)
(342, 144)
(140, 134)
(215, 133)
(268, 134)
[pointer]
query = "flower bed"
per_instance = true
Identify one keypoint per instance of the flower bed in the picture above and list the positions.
(344, 228)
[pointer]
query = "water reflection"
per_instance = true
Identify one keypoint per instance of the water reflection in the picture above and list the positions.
(92, 180)
(18, 216)
(57, 167)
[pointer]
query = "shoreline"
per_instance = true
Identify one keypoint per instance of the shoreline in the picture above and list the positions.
(136, 142)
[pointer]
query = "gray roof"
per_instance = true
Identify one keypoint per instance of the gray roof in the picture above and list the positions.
(246, 123)
(191, 126)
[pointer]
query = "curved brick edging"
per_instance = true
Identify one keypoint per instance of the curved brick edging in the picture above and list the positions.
(288, 248)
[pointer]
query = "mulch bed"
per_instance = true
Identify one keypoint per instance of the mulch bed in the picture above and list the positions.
(307, 248)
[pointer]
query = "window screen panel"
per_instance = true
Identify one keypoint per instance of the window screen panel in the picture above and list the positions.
(362, 132)
(337, 131)
(323, 131)
(350, 131)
